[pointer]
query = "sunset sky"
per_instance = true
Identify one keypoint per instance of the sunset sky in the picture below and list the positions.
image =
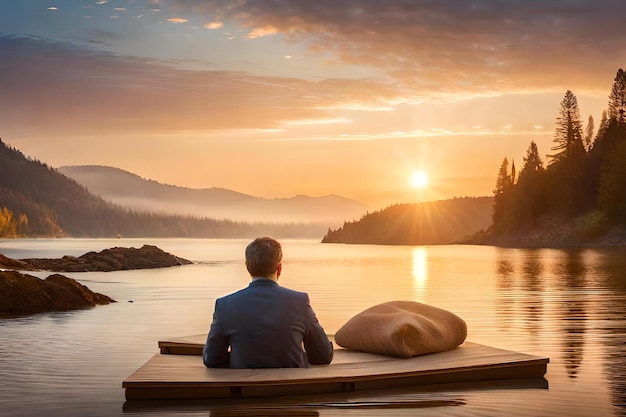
(279, 98)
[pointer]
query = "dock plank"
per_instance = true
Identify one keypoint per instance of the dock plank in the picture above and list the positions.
(184, 376)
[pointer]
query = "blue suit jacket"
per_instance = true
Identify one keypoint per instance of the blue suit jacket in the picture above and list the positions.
(265, 326)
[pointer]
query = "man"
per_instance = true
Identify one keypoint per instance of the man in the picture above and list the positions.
(265, 325)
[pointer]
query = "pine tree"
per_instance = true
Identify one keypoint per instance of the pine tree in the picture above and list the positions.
(589, 134)
(568, 137)
(612, 194)
(502, 197)
(532, 161)
(617, 99)
(568, 164)
(530, 198)
(604, 124)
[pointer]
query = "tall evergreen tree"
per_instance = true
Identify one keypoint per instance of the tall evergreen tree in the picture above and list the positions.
(612, 189)
(604, 124)
(502, 197)
(617, 99)
(603, 163)
(567, 167)
(568, 137)
(529, 191)
(532, 161)
(588, 139)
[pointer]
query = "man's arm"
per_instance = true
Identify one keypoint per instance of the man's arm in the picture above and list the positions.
(215, 353)
(318, 348)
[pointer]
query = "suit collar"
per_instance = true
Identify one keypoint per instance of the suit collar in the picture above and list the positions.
(263, 281)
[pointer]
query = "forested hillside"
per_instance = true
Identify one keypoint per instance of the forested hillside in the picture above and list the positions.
(38, 201)
(583, 184)
(578, 198)
(438, 222)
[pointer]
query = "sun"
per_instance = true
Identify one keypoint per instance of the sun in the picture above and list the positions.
(419, 180)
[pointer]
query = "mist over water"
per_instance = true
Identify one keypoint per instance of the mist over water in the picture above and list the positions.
(569, 305)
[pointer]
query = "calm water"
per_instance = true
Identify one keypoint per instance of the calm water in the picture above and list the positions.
(569, 305)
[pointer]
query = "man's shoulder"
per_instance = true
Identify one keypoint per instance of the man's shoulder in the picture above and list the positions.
(293, 292)
(263, 286)
(272, 286)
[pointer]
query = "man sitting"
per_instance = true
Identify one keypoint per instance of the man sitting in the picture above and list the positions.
(265, 325)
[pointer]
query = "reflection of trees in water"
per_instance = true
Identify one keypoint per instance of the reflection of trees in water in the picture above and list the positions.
(572, 276)
(572, 285)
(504, 284)
(532, 284)
(615, 362)
(612, 317)
(574, 329)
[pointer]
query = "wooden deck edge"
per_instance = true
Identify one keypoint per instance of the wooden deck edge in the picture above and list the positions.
(186, 390)
(388, 398)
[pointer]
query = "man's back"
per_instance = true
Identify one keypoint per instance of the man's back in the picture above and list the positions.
(266, 326)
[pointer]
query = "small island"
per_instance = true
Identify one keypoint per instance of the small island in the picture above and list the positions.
(107, 260)
(22, 294)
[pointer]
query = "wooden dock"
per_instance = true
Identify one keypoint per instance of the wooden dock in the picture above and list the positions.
(178, 373)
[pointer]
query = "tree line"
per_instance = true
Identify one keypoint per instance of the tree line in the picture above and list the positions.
(429, 223)
(38, 201)
(585, 175)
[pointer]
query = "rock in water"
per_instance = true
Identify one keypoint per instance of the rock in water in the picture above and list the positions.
(113, 259)
(22, 294)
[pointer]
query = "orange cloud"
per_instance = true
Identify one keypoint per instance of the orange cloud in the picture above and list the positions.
(443, 48)
(213, 25)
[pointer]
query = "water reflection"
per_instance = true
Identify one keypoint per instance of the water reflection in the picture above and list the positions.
(522, 295)
(613, 313)
(615, 367)
(420, 268)
(571, 272)
(533, 286)
(505, 283)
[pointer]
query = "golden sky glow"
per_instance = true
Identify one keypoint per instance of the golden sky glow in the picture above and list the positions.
(279, 98)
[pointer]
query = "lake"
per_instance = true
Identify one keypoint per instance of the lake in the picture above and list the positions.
(569, 305)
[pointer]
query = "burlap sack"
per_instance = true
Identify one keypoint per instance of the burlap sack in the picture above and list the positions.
(403, 329)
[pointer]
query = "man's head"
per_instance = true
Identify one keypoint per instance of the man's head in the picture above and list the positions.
(263, 257)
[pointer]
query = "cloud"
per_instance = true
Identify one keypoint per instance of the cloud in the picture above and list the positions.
(213, 25)
(446, 47)
(52, 8)
(177, 20)
(59, 88)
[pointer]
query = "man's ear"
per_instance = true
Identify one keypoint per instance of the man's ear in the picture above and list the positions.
(279, 269)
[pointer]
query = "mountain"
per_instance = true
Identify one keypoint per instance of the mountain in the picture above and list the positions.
(431, 223)
(129, 190)
(38, 201)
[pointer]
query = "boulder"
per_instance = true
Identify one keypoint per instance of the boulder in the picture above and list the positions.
(113, 259)
(8, 263)
(23, 294)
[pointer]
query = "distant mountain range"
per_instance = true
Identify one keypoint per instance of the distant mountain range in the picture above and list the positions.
(94, 201)
(131, 191)
(38, 201)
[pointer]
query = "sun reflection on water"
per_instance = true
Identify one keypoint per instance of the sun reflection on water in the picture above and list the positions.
(420, 268)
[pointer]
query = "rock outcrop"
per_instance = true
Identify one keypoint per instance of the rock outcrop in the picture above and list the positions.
(8, 263)
(113, 259)
(22, 294)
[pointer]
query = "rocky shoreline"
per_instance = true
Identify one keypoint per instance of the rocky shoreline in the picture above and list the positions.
(551, 233)
(22, 294)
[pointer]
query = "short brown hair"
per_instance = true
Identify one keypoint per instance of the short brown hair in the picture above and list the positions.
(263, 255)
